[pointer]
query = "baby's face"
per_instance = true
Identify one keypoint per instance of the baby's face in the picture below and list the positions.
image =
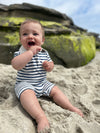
(31, 35)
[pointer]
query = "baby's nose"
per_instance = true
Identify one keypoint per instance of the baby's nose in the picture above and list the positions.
(30, 36)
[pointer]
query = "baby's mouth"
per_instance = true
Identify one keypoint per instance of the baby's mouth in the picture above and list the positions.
(31, 43)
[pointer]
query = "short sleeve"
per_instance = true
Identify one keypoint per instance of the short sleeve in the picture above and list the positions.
(48, 56)
(16, 53)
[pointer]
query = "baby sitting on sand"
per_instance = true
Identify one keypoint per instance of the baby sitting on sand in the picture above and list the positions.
(32, 63)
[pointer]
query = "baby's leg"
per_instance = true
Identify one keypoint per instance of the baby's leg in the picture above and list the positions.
(63, 101)
(31, 105)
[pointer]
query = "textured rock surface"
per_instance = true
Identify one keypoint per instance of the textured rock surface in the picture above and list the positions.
(70, 51)
(72, 45)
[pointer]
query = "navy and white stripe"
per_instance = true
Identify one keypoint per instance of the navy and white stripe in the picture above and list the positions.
(33, 72)
(33, 76)
(42, 89)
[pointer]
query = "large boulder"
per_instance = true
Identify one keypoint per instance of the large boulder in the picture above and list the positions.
(70, 51)
(67, 43)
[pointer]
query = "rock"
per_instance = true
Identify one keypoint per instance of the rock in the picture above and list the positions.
(72, 46)
(7, 53)
(97, 38)
(34, 11)
(70, 50)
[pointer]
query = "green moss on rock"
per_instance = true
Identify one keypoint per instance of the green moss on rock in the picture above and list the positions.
(70, 50)
(11, 21)
(51, 24)
(13, 38)
(73, 51)
(88, 48)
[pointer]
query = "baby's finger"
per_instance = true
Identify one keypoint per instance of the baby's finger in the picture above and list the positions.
(45, 63)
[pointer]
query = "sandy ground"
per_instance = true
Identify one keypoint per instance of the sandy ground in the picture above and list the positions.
(81, 85)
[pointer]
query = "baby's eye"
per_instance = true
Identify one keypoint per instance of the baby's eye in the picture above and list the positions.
(35, 34)
(25, 34)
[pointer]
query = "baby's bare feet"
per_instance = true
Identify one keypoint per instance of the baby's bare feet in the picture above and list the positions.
(78, 111)
(43, 125)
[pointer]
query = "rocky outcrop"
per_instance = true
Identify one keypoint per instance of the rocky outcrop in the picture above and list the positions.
(37, 12)
(67, 43)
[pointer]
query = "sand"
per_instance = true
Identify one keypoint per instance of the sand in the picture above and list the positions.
(82, 87)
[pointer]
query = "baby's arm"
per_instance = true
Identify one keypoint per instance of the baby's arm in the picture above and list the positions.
(21, 60)
(48, 66)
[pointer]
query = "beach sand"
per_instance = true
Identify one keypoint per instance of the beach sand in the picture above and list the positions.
(82, 87)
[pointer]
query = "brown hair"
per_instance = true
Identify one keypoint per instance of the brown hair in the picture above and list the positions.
(32, 21)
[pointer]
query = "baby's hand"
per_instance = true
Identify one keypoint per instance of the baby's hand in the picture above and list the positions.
(35, 49)
(48, 66)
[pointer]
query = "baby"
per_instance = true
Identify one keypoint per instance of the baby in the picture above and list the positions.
(32, 63)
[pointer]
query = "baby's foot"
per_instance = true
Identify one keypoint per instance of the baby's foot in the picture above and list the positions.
(78, 111)
(43, 125)
(46, 130)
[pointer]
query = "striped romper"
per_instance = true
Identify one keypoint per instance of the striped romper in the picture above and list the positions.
(33, 75)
